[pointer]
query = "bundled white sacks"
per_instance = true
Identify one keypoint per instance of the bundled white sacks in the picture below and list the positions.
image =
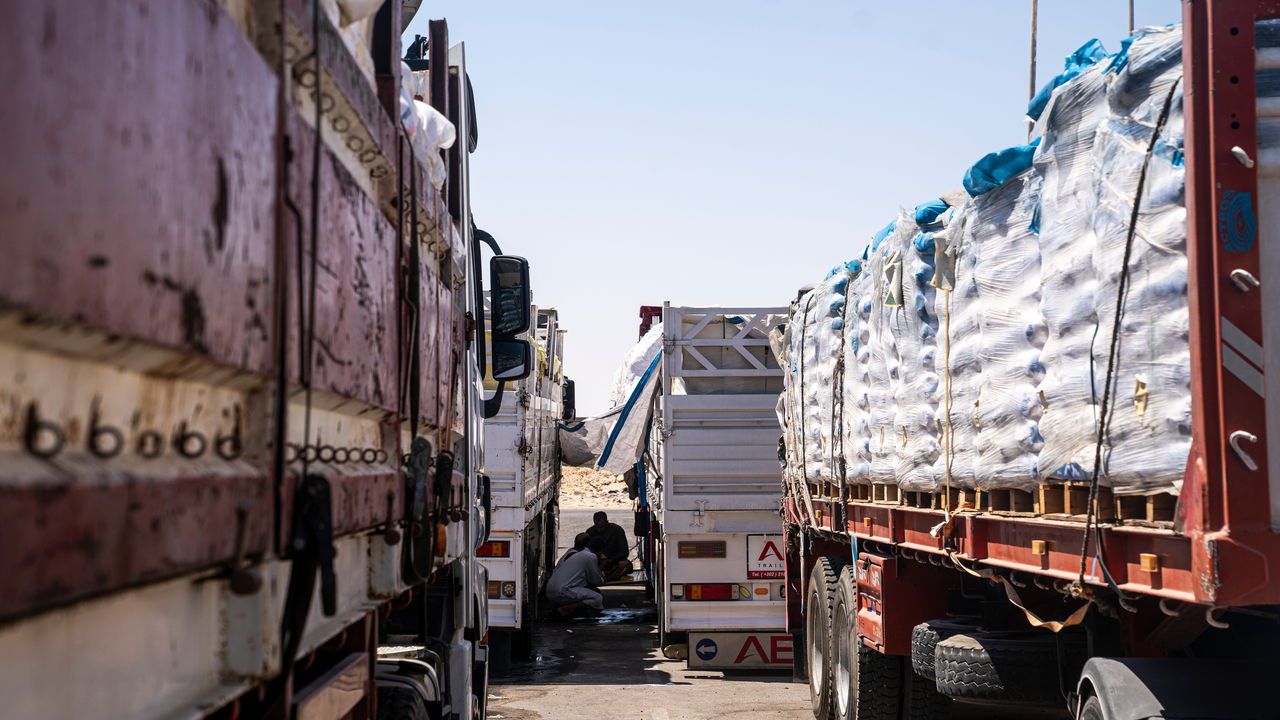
(976, 350)
(1149, 434)
(862, 389)
(1096, 135)
(913, 328)
(959, 354)
(991, 336)
(1069, 286)
(815, 353)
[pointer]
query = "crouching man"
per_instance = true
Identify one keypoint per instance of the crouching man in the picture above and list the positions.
(572, 586)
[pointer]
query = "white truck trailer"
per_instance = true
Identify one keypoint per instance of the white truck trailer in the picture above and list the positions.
(710, 484)
(522, 460)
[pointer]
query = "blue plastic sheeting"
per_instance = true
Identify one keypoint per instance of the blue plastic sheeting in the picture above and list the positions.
(929, 212)
(1120, 59)
(1077, 62)
(884, 233)
(626, 409)
(924, 243)
(853, 266)
(994, 169)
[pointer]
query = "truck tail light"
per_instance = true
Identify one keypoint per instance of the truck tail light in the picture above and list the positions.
(495, 589)
(711, 591)
(494, 548)
(508, 589)
(677, 591)
(702, 549)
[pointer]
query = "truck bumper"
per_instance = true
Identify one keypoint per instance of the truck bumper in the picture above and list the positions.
(768, 615)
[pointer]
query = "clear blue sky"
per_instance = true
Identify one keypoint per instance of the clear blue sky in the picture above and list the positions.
(728, 152)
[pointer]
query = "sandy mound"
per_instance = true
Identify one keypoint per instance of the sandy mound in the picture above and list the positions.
(585, 487)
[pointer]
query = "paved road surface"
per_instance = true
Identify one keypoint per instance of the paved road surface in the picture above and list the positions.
(611, 668)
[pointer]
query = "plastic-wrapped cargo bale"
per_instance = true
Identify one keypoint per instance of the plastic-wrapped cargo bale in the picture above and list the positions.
(881, 358)
(857, 384)
(1149, 432)
(1064, 159)
(788, 404)
(821, 336)
(1007, 272)
(914, 326)
(959, 336)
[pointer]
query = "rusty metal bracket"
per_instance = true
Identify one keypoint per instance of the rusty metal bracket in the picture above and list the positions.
(244, 580)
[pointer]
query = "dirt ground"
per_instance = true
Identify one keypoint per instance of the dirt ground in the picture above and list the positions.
(585, 487)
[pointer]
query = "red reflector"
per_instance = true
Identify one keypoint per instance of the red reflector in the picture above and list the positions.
(711, 591)
(495, 548)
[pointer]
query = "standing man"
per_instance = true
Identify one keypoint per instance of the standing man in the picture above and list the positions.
(614, 551)
(572, 584)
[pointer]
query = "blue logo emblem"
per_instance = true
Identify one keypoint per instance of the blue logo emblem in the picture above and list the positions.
(706, 649)
(1237, 225)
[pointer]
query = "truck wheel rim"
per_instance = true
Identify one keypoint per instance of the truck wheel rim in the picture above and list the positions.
(817, 669)
(840, 643)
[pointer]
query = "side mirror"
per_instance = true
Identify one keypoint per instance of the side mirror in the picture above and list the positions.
(486, 504)
(569, 401)
(509, 298)
(512, 359)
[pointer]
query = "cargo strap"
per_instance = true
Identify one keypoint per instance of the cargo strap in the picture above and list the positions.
(312, 551)
(1011, 592)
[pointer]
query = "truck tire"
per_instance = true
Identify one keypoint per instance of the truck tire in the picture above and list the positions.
(398, 703)
(522, 637)
(926, 636)
(866, 684)
(819, 604)
(1003, 666)
(921, 699)
(1092, 709)
(500, 655)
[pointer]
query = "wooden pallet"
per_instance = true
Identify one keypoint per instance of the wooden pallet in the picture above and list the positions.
(1009, 501)
(1070, 501)
(1147, 510)
(860, 493)
(1067, 501)
(886, 494)
(922, 499)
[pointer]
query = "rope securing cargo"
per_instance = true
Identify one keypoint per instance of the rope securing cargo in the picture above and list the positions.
(1106, 410)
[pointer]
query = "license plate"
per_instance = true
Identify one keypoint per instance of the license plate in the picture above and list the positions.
(729, 651)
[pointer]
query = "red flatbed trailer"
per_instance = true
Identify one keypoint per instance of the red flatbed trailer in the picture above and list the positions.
(1182, 571)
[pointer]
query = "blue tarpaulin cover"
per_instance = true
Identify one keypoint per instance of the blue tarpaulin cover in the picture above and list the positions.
(884, 233)
(994, 169)
(1084, 56)
(929, 212)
